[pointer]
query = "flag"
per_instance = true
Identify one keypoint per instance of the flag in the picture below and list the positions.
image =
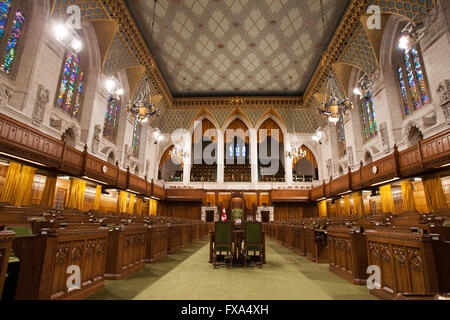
(224, 214)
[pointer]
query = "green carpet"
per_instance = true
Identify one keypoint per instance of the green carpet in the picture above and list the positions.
(187, 275)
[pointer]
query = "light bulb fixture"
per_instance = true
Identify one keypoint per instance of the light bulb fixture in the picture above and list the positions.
(412, 33)
(145, 106)
(114, 88)
(334, 105)
(157, 135)
(318, 135)
(67, 37)
(60, 31)
(77, 45)
(358, 92)
(403, 43)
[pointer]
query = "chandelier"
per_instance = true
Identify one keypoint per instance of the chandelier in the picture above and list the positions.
(145, 106)
(334, 105)
(178, 154)
(296, 153)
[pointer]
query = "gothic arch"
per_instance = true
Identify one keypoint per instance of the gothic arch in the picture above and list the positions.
(236, 114)
(388, 61)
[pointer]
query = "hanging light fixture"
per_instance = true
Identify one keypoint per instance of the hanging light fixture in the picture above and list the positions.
(334, 105)
(296, 151)
(145, 106)
(114, 88)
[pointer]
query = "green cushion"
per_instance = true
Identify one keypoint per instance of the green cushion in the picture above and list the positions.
(223, 247)
(254, 247)
(21, 231)
(13, 259)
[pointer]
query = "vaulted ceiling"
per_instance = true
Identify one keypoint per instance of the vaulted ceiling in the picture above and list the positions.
(237, 47)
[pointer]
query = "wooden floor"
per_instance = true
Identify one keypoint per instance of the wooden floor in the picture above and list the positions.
(188, 275)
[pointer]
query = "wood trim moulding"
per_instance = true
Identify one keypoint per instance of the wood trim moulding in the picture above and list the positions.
(246, 101)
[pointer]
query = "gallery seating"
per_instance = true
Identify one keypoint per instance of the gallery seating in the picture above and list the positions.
(203, 173)
(238, 173)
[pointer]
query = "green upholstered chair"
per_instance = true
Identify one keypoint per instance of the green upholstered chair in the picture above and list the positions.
(223, 241)
(253, 241)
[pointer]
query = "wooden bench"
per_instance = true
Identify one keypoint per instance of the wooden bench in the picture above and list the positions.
(6, 239)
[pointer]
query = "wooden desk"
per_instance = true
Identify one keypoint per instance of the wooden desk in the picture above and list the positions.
(238, 239)
(6, 238)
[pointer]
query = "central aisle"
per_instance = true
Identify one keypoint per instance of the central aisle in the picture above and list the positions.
(187, 275)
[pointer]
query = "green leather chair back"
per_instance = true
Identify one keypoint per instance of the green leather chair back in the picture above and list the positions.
(223, 234)
(253, 232)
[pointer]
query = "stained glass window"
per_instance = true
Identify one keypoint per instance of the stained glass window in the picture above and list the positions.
(111, 118)
(244, 151)
(72, 84)
(231, 151)
(12, 21)
(369, 123)
(341, 137)
(5, 8)
(412, 81)
(238, 151)
(136, 138)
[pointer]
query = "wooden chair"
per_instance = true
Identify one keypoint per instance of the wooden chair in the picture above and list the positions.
(223, 241)
(253, 241)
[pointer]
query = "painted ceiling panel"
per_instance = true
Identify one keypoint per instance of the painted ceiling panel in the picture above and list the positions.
(229, 47)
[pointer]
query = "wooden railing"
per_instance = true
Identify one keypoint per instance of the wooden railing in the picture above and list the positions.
(20, 140)
(290, 195)
(185, 194)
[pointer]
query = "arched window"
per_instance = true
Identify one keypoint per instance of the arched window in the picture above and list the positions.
(413, 86)
(12, 21)
(136, 138)
(111, 120)
(369, 123)
(341, 137)
(71, 87)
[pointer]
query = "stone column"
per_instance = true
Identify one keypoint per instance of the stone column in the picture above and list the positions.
(254, 154)
(220, 157)
(187, 161)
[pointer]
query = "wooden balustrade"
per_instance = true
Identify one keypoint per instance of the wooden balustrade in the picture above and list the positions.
(126, 251)
(185, 194)
(6, 238)
(157, 242)
(317, 193)
(347, 253)
(290, 195)
(45, 258)
(340, 184)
